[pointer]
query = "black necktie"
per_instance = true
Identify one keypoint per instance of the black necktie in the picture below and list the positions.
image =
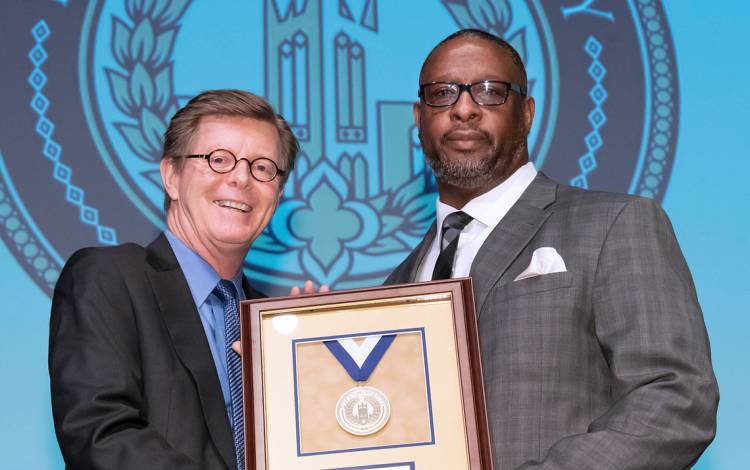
(452, 226)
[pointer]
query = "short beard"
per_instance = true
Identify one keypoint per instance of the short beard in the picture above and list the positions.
(474, 173)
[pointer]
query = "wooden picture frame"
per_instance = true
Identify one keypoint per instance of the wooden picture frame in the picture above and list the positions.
(304, 411)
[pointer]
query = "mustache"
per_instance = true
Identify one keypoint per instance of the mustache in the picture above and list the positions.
(466, 133)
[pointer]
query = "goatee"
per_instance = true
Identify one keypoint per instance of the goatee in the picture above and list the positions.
(472, 172)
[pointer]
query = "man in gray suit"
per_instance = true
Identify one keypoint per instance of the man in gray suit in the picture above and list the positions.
(594, 350)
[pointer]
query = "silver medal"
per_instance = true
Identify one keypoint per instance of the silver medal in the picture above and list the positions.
(363, 410)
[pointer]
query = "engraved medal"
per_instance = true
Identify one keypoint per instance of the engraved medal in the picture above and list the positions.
(361, 410)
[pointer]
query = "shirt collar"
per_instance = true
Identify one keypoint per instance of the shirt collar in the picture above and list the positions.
(201, 277)
(489, 208)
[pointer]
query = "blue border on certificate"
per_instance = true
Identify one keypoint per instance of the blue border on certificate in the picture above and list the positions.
(421, 331)
(382, 465)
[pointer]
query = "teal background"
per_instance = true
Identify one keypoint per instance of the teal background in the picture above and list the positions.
(706, 200)
(708, 197)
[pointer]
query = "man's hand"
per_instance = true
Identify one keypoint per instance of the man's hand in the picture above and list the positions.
(307, 288)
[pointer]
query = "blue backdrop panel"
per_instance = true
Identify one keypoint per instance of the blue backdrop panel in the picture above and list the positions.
(633, 96)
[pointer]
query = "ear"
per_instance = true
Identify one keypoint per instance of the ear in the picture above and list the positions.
(417, 110)
(527, 112)
(169, 177)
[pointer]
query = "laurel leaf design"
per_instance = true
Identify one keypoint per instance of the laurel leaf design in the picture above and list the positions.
(408, 190)
(421, 207)
(158, 8)
(170, 112)
(518, 41)
(404, 216)
(141, 86)
(118, 84)
(144, 92)
(134, 139)
(130, 7)
(163, 87)
(491, 15)
(173, 12)
(460, 13)
(494, 16)
(389, 223)
(134, 8)
(419, 211)
(152, 128)
(120, 40)
(379, 202)
(387, 245)
(142, 41)
(163, 47)
(153, 177)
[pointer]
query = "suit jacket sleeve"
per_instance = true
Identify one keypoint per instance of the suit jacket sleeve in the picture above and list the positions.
(96, 372)
(651, 331)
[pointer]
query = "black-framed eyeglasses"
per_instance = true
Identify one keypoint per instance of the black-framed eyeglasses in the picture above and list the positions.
(223, 161)
(484, 93)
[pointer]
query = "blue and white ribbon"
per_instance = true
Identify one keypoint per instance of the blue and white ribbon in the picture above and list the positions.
(360, 360)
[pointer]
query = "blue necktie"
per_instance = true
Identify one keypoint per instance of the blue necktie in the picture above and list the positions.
(226, 293)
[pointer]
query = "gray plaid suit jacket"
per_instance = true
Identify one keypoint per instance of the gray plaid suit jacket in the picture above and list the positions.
(605, 366)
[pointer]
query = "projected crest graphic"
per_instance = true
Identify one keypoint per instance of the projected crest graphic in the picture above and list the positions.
(344, 74)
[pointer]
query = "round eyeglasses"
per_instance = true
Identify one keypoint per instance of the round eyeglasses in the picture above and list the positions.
(484, 93)
(223, 161)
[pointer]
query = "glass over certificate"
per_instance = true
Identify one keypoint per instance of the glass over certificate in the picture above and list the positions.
(386, 378)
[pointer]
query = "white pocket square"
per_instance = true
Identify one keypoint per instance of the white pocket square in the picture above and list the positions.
(544, 260)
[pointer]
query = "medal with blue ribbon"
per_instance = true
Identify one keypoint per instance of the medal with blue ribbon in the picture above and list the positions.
(362, 410)
(360, 360)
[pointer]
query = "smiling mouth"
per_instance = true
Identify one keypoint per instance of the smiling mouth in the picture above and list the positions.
(240, 206)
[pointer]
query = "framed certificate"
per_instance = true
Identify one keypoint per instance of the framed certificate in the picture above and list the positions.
(380, 378)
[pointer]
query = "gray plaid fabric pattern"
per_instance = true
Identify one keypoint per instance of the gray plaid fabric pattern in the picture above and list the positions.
(453, 224)
(604, 366)
(226, 292)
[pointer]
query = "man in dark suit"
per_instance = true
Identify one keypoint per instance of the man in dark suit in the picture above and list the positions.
(594, 350)
(141, 366)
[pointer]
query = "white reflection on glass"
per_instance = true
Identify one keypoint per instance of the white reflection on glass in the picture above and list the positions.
(285, 324)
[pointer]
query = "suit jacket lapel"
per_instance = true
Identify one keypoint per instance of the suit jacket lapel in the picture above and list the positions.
(511, 235)
(407, 271)
(189, 340)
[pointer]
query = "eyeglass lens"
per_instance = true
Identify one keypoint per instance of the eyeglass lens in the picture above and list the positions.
(446, 94)
(224, 161)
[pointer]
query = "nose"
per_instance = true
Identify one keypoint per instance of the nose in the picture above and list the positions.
(466, 109)
(240, 175)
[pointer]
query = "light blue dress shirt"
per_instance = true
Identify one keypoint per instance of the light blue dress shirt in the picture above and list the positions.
(202, 279)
